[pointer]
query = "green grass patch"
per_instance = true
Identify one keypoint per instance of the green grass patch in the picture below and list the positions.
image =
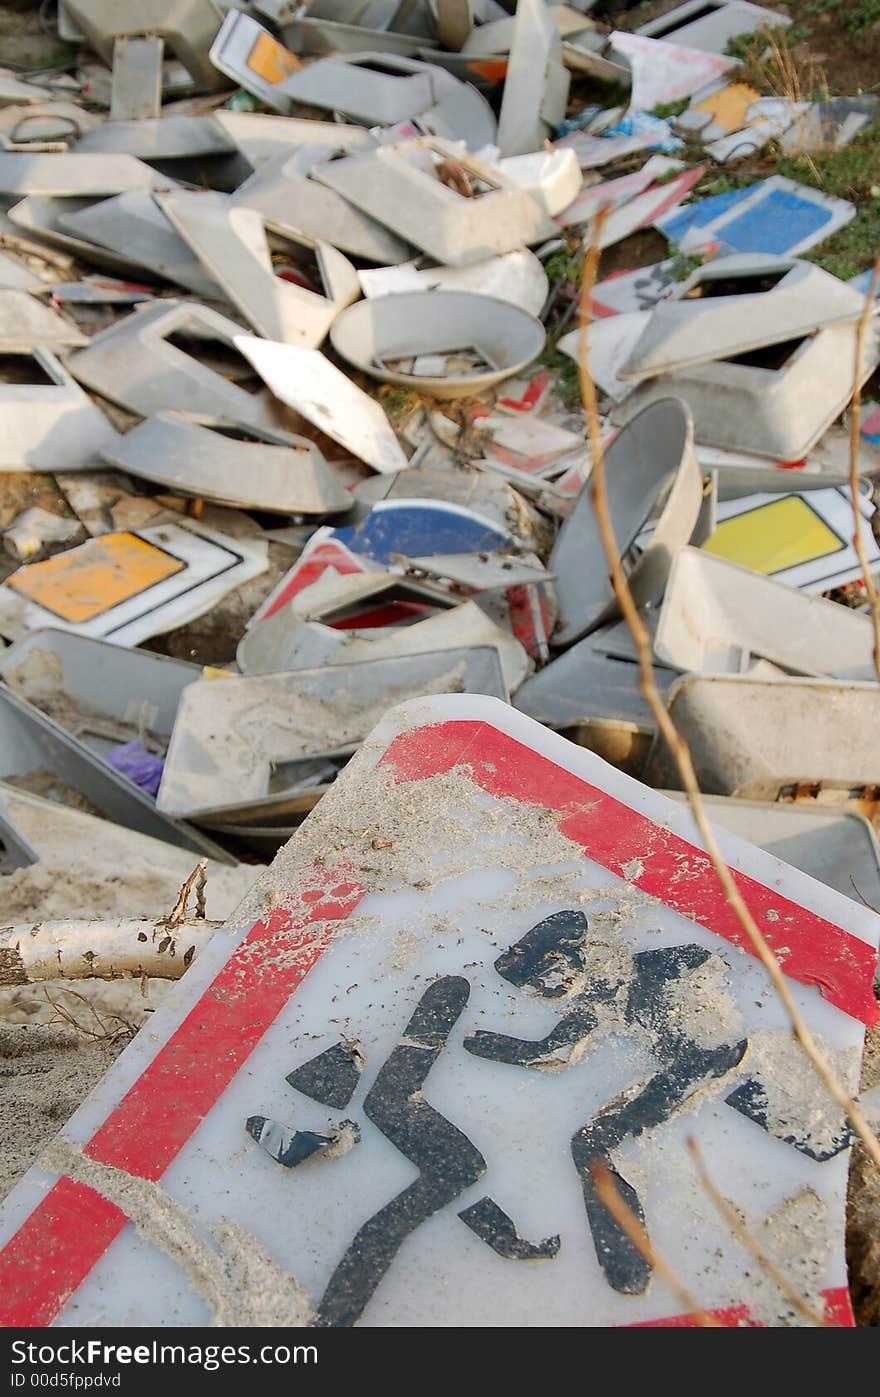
(565, 267)
(567, 385)
(858, 17)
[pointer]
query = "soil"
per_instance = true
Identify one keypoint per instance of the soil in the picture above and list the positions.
(46, 1072)
(849, 57)
(25, 42)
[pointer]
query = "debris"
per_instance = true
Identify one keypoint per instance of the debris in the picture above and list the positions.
(294, 426)
(803, 540)
(585, 207)
(735, 304)
(398, 186)
(231, 464)
(772, 740)
(478, 571)
(38, 755)
(536, 84)
(129, 586)
(42, 219)
(285, 641)
(664, 71)
(245, 743)
(655, 446)
(320, 29)
(612, 341)
(232, 242)
(74, 176)
(307, 382)
(634, 132)
(717, 616)
(101, 291)
(516, 277)
(163, 138)
(25, 322)
(103, 695)
(833, 123)
(246, 52)
(133, 226)
(775, 401)
(711, 24)
(262, 137)
(186, 28)
(162, 358)
(282, 190)
(448, 344)
(841, 850)
(580, 686)
(47, 422)
(35, 529)
(409, 526)
(777, 216)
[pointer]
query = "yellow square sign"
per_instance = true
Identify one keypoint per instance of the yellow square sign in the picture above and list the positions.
(271, 61)
(87, 582)
(774, 537)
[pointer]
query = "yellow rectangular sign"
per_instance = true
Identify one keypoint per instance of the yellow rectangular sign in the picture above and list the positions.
(271, 61)
(774, 537)
(86, 582)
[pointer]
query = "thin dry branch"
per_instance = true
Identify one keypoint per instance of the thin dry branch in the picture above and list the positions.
(854, 425)
(197, 881)
(626, 1220)
(744, 1236)
(669, 732)
(104, 1032)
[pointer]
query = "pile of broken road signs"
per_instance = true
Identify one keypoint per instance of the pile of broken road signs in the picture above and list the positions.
(288, 327)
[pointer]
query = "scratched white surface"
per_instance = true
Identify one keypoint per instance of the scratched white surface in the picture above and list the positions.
(521, 1119)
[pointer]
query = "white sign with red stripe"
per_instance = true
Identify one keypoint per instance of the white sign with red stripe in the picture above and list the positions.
(487, 963)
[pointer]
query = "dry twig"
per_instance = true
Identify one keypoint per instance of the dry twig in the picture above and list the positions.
(197, 880)
(629, 1223)
(744, 1236)
(669, 732)
(104, 1032)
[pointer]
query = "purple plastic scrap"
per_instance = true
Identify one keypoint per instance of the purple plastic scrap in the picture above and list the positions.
(139, 765)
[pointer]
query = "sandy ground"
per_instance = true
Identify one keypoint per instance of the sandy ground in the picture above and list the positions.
(58, 1038)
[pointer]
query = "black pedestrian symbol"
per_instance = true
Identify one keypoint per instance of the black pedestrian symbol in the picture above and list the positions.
(550, 960)
(447, 1160)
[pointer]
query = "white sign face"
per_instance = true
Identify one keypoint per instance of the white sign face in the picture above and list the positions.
(487, 962)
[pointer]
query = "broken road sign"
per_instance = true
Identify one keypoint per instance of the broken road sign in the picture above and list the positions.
(489, 900)
(803, 540)
(127, 586)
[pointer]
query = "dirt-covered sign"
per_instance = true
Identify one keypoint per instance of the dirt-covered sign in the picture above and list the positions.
(486, 964)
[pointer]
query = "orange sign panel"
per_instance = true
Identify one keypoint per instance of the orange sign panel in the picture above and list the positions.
(86, 582)
(271, 60)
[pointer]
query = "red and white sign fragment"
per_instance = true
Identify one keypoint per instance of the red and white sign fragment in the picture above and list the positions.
(487, 962)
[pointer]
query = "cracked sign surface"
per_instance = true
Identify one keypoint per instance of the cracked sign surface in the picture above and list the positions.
(487, 962)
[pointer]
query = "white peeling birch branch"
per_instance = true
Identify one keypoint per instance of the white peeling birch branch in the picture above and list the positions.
(107, 950)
